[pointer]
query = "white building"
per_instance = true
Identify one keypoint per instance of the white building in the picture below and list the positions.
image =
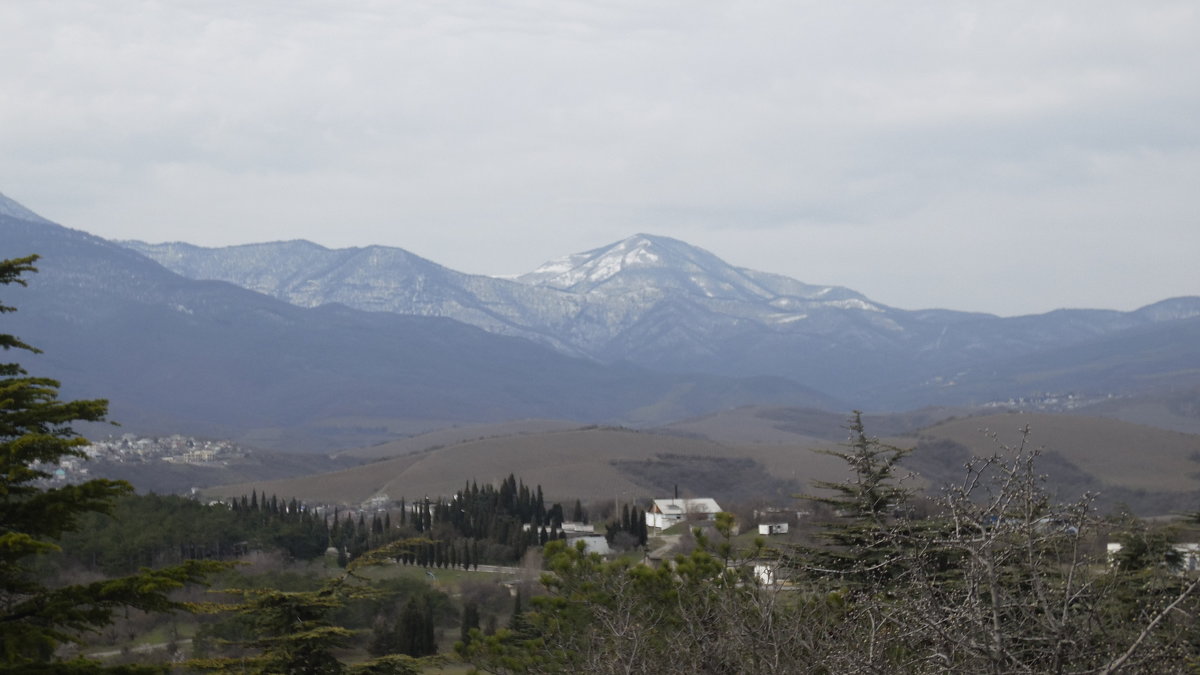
(592, 543)
(1189, 555)
(666, 512)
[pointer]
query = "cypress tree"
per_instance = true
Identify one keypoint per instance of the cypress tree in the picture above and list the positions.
(517, 623)
(470, 621)
(415, 629)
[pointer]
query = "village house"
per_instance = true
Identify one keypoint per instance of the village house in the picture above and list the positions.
(1189, 556)
(666, 512)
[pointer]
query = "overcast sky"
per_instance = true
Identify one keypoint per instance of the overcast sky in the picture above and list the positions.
(1008, 157)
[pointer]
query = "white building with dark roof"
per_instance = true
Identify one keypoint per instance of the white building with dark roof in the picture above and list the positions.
(666, 512)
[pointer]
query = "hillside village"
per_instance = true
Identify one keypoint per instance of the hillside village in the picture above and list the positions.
(130, 448)
(1050, 401)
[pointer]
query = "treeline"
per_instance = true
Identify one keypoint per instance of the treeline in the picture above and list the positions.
(477, 525)
(155, 530)
(489, 524)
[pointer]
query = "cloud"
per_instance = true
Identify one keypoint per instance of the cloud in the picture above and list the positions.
(534, 129)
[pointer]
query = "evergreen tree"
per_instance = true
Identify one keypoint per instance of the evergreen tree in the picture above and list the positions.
(517, 622)
(415, 629)
(863, 540)
(35, 434)
(470, 621)
(294, 631)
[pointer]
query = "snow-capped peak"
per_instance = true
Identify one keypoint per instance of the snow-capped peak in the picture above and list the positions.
(641, 253)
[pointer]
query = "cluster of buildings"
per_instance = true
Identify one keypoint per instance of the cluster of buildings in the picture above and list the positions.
(129, 448)
(1048, 402)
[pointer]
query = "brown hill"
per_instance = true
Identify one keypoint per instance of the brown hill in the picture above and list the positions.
(1152, 470)
(455, 434)
(590, 464)
(1114, 452)
(1175, 409)
(805, 426)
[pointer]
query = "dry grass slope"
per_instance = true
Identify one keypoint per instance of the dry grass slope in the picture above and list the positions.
(457, 434)
(1114, 452)
(1154, 469)
(591, 464)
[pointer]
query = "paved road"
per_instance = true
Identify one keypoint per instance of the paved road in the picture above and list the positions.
(498, 569)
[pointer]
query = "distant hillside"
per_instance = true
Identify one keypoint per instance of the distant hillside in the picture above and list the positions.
(167, 478)
(1151, 470)
(455, 435)
(1154, 470)
(592, 464)
(766, 424)
(1177, 409)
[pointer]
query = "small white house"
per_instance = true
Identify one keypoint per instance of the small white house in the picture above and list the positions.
(766, 573)
(1189, 555)
(666, 512)
(592, 543)
(772, 528)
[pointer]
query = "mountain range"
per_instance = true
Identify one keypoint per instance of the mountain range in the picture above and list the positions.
(661, 303)
(291, 345)
(176, 355)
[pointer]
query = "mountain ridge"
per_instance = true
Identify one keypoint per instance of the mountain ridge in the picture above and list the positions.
(660, 303)
(176, 355)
